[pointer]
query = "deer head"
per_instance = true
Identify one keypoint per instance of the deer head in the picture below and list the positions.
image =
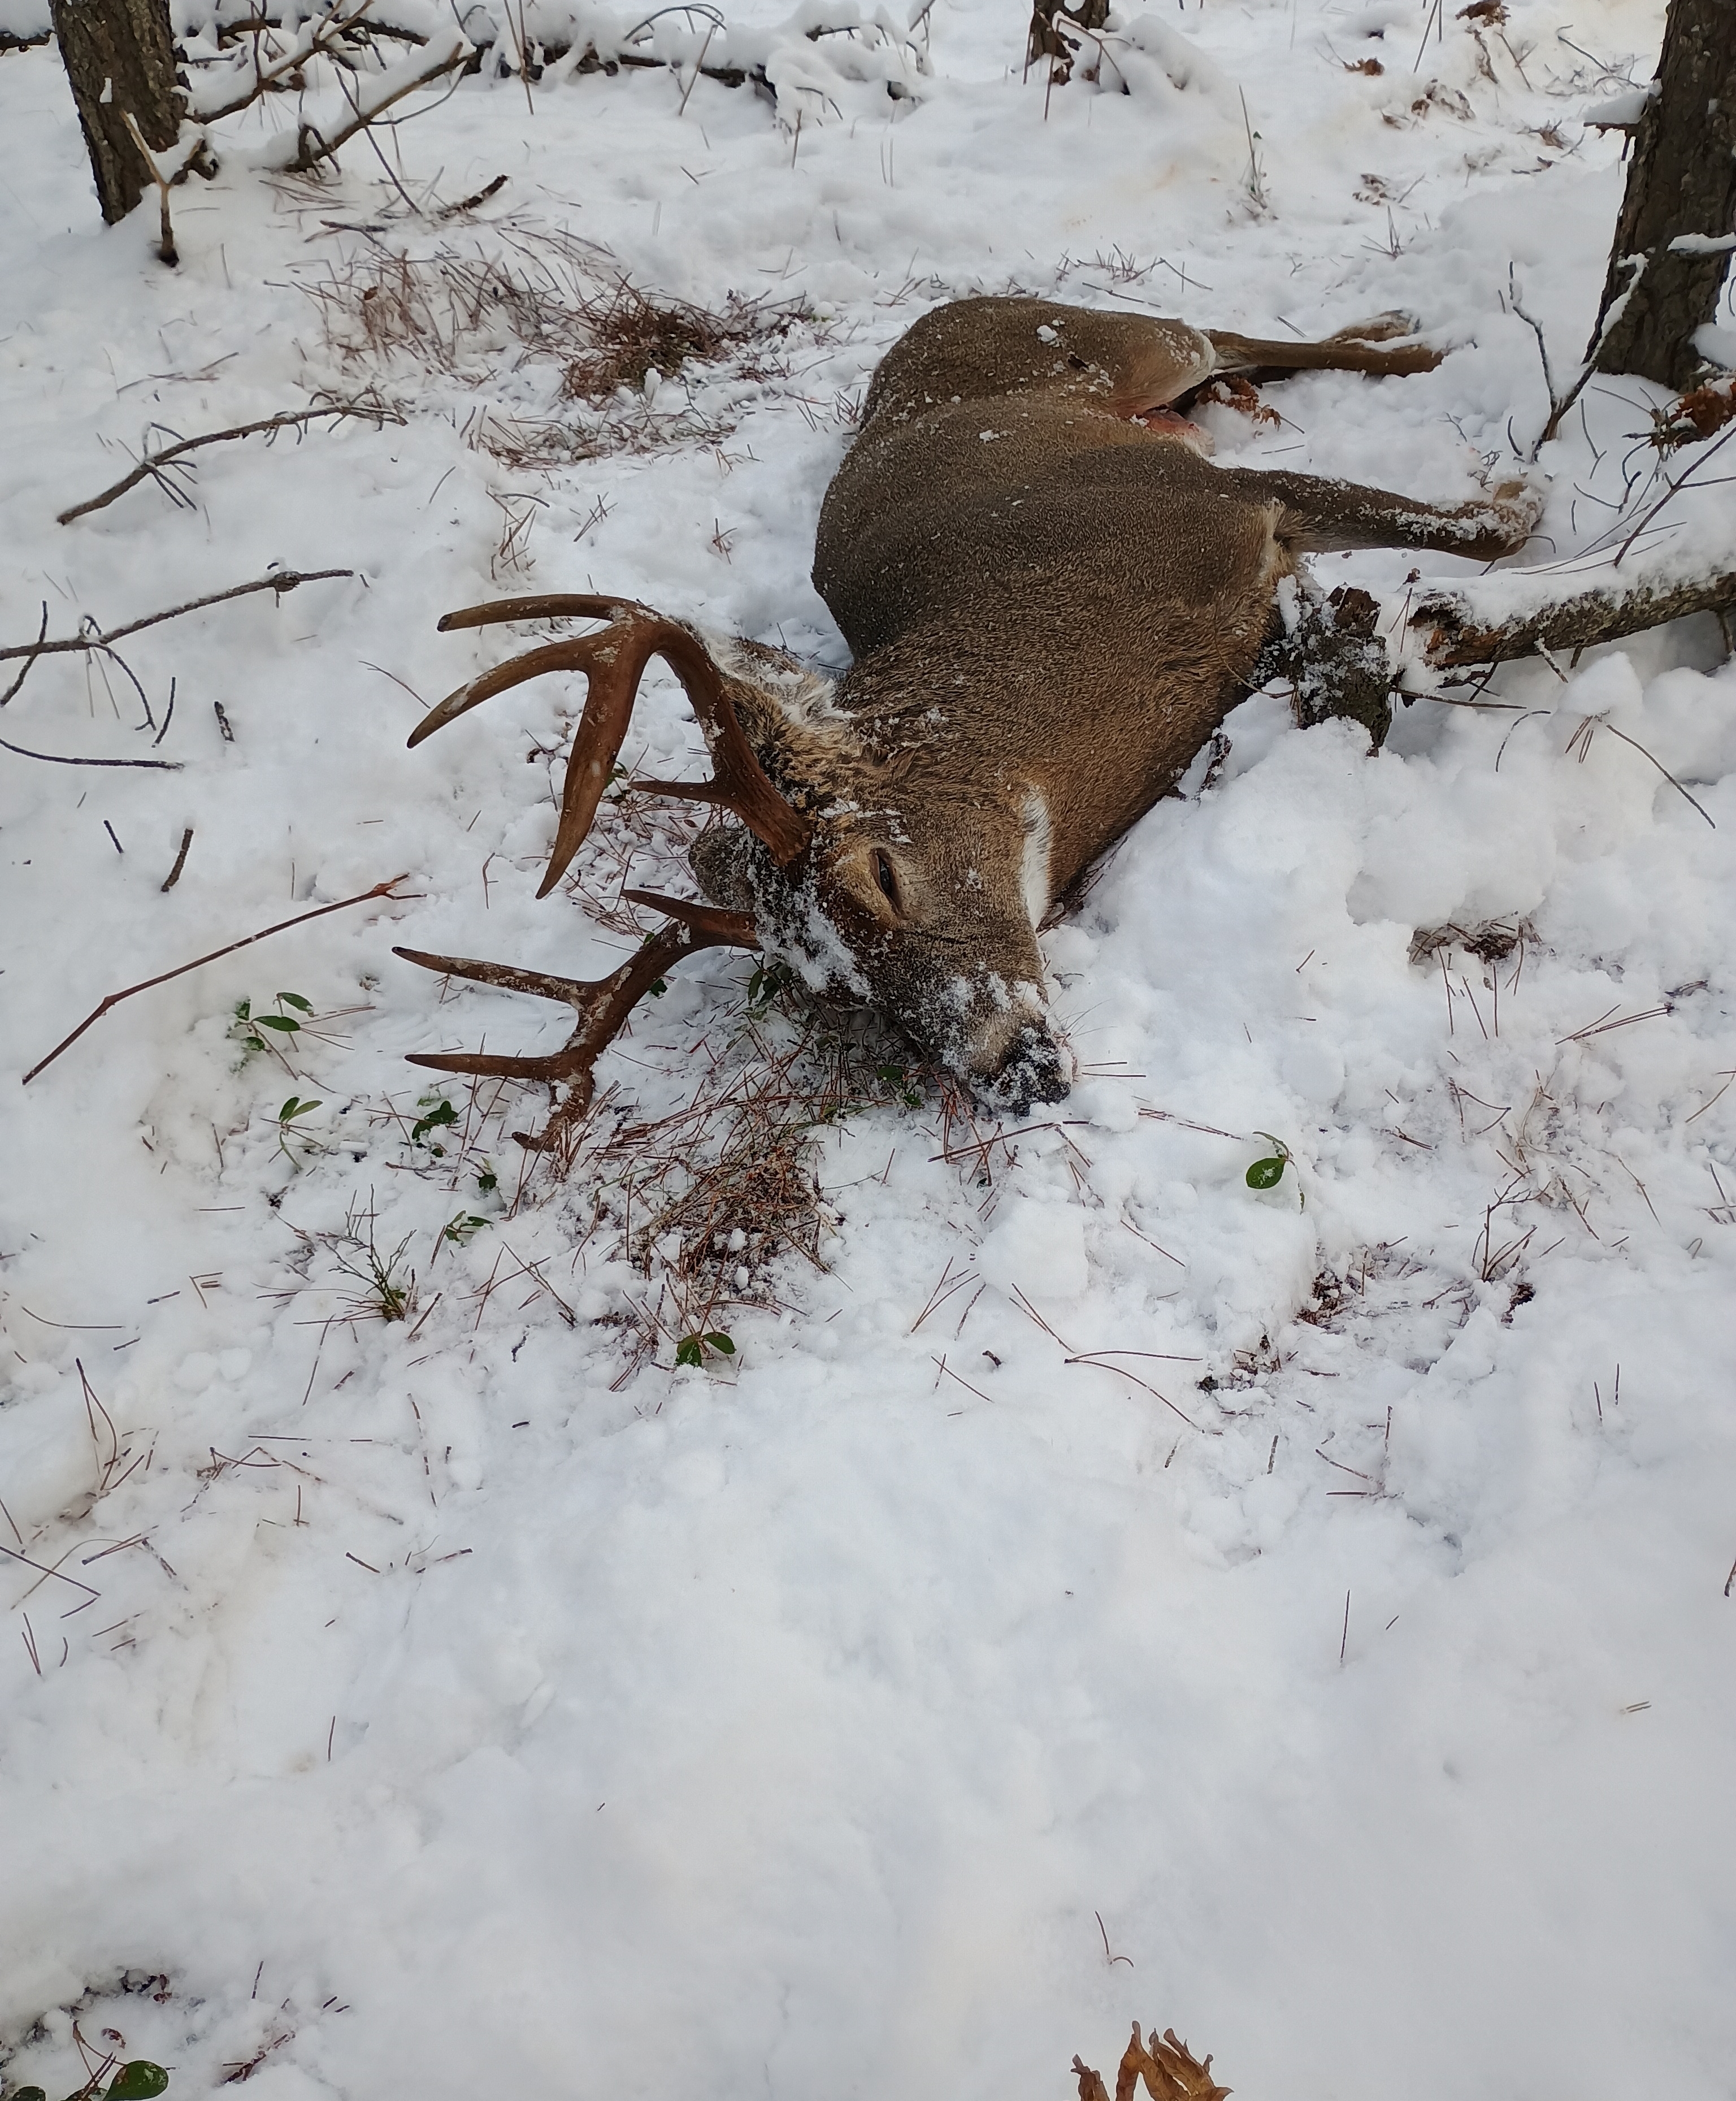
(856, 854)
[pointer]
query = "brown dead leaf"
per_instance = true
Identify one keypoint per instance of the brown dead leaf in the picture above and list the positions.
(1169, 2069)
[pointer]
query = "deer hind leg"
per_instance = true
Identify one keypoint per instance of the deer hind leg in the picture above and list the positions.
(986, 348)
(1320, 515)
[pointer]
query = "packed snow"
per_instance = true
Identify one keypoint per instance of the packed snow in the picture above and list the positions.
(1092, 1588)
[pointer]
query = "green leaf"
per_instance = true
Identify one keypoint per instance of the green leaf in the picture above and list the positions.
(293, 1107)
(462, 1228)
(659, 989)
(689, 1350)
(440, 1111)
(487, 1182)
(295, 1000)
(1265, 1173)
(721, 1342)
(27, 2094)
(280, 1022)
(138, 2081)
(243, 1012)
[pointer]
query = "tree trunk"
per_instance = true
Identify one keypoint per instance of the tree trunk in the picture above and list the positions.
(1682, 182)
(120, 58)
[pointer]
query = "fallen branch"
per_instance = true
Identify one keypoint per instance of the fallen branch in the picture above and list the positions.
(1453, 631)
(316, 38)
(180, 971)
(151, 467)
(449, 49)
(283, 580)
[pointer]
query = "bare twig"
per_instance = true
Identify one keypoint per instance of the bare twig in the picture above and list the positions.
(1680, 481)
(451, 50)
(180, 860)
(379, 890)
(151, 464)
(166, 245)
(314, 38)
(283, 580)
(30, 657)
(62, 758)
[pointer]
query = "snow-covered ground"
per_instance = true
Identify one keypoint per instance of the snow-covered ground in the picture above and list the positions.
(1100, 1589)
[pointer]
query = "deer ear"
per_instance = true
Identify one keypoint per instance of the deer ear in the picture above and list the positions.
(719, 858)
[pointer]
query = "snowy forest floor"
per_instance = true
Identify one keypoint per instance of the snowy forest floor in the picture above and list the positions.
(1093, 1588)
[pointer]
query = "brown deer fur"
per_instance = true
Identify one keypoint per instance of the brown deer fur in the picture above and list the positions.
(1051, 606)
(1052, 601)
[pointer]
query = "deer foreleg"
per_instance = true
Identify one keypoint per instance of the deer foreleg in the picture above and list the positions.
(602, 1005)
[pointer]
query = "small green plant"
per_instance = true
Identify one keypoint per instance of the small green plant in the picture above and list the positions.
(897, 1081)
(388, 1291)
(141, 2080)
(286, 1118)
(694, 1349)
(487, 1182)
(768, 980)
(436, 1113)
(245, 1028)
(460, 1230)
(1268, 1173)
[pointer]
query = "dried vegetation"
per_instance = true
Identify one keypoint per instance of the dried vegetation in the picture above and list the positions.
(560, 312)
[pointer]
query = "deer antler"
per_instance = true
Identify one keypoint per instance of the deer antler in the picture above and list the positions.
(613, 662)
(602, 1004)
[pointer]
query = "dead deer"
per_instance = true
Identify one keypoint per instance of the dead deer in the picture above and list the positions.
(1052, 600)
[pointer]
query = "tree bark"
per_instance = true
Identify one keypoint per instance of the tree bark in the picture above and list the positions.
(120, 58)
(1682, 182)
(1452, 631)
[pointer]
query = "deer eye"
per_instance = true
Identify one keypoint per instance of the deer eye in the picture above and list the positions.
(885, 878)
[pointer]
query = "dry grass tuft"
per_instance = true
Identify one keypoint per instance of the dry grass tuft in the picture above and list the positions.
(553, 301)
(709, 1201)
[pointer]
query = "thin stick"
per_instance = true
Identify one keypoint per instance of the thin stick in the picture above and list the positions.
(180, 860)
(60, 759)
(1681, 481)
(285, 580)
(283, 926)
(699, 67)
(31, 654)
(314, 147)
(165, 246)
(149, 466)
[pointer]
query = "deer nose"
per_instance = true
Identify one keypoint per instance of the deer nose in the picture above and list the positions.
(1034, 1068)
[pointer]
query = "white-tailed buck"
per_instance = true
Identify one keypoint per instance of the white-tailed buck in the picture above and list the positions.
(1052, 600)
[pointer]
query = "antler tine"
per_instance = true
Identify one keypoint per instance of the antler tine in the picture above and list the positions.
(601, 1004)
(539, 605)
(613, 662)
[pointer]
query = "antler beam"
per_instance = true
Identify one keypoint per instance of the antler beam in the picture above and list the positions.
(601, 1004)
(613, 662)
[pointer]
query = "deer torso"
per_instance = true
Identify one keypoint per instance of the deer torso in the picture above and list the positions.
(1037, 590)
